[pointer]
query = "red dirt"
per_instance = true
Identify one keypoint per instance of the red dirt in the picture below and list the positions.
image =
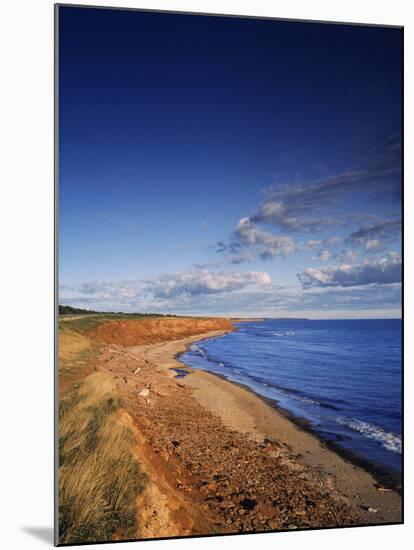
(133, 332)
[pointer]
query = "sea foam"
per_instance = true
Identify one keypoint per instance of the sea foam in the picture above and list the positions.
(388, 440)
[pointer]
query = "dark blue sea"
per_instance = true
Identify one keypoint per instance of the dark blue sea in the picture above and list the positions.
(343, 376)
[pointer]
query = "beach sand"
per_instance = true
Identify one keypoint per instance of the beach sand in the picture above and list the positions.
(220, 459)
(240, 411)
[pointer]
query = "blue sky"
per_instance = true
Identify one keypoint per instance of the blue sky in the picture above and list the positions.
(213, 165)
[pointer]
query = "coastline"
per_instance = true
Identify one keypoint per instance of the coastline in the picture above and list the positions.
(240, 408)
(383, 475)
(217, 457)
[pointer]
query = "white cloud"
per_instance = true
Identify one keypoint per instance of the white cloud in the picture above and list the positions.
(204, 282)
(248, 234)
(312, 244)
(169, 290)
(314, 207)
(258, 297)
(384, 271)
(323, 255)
(321, 206)
(372, 245)
(349, 255)
(261, 243)
(386, 229)
(332, 241)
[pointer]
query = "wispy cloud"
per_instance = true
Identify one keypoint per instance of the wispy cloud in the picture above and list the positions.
(156, 291)
(325, 205)
(385, 229)
(204, 282)
(261, 243)
(373, 245)
(323, 256)
(376, 237)
(384, 271)
(305, 207)
(251, 294)
(242, 258)
(212, 264)
(328, 242)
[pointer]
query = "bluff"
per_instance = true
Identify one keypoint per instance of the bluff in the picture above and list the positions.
(132, 332)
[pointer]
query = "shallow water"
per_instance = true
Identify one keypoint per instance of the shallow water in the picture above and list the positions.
(344, 376)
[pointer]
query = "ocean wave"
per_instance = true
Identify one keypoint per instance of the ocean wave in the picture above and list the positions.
(197, 350)
(310, 401)
(388, 440)
(292, 393)
(208, 358)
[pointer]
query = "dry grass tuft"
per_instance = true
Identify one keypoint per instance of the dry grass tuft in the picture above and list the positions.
(71, 343)
(99, 477)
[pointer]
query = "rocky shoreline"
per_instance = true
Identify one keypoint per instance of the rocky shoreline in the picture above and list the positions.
(220, 460)
(235, 463)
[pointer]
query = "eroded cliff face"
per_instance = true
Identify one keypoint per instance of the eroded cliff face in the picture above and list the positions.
(132, 332)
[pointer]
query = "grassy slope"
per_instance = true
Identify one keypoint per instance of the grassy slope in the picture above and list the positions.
(88, 322)
(83, 324)
(99, 477)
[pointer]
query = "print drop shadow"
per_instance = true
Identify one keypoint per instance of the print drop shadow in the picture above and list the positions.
(42, 533)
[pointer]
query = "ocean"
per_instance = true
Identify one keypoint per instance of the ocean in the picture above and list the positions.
(344, 377)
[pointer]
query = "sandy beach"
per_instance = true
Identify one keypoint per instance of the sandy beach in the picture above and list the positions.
(220, 459)
(241, 410)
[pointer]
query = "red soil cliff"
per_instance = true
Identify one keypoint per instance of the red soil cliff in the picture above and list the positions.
(132, 332)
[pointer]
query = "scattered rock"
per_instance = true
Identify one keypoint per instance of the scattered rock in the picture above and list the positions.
(241, 484)
(372, 510)
(248, 503)
(162, 393)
